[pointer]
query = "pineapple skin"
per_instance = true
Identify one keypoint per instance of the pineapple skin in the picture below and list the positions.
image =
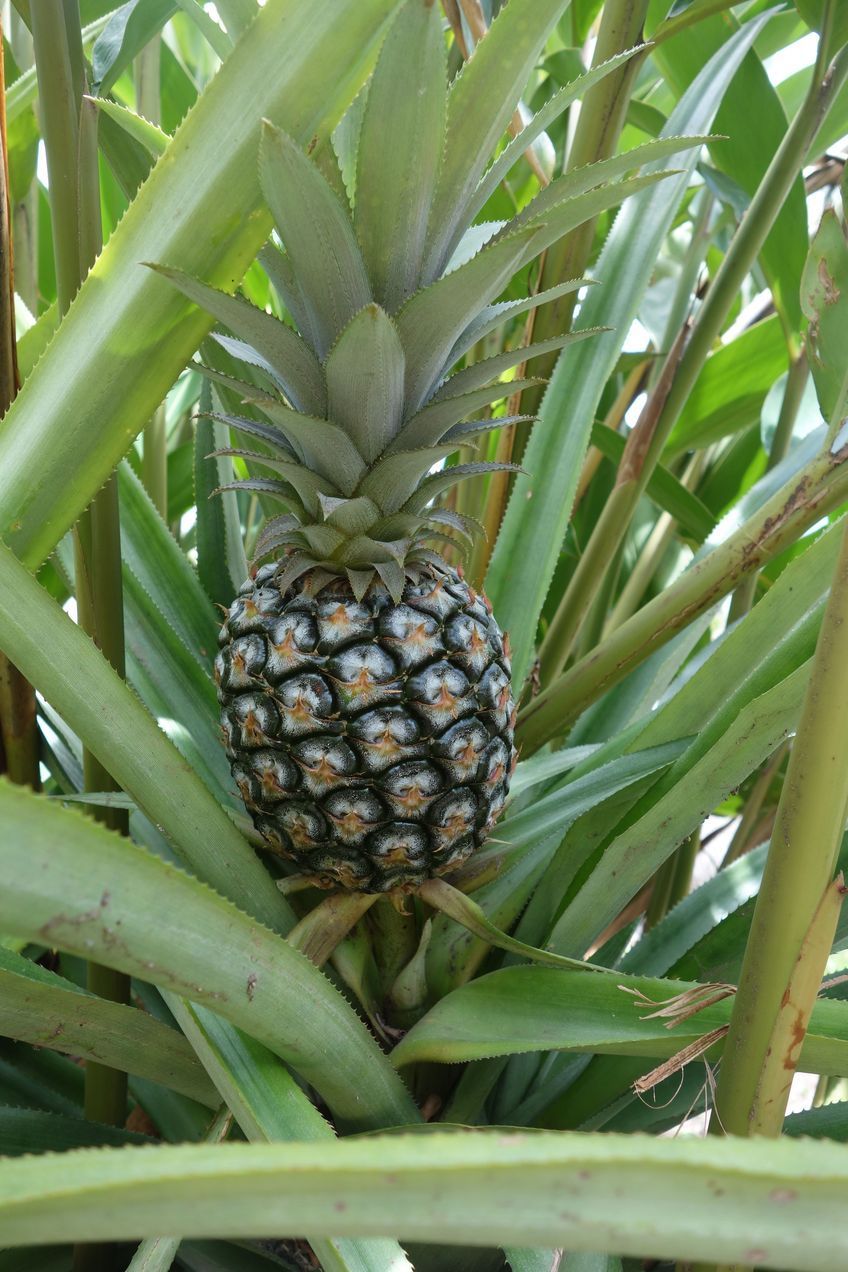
(371, 742)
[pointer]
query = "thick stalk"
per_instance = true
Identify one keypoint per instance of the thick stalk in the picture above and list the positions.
(70, 144)
(790, 930)
(18, 729)
(25, 211)
(154, 460)
(819, 487)
(602, 114)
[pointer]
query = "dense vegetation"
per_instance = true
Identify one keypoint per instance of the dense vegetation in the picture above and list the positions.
(620, 225)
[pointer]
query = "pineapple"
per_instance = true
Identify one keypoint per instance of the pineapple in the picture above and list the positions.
(364, 685)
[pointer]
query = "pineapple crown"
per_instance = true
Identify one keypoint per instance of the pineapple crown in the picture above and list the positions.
(390, 283)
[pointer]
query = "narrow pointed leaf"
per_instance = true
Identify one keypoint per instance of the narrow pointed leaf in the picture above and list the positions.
(533, 532)
(531, 1008)
(400, 146)
(447, 477)
(433, 319)
(279, 269)
(553, 108)
(782, 1201)
(295, 367)
(431, 424)
(91, 393)
(505, 56)
(316, 233)
(41, 1008)
(365, 381)
(580, 180)
(493, 316)
(394, 478)
(324, 446)
(480, 373)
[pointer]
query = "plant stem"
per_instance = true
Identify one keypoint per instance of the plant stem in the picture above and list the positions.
(25, 211)
(819, 487)
(18, 729)
(602, 114)
(70, 138)
(759, 1060)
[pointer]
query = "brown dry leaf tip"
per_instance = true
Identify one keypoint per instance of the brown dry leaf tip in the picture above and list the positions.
(682, 1006)
(679, 1060)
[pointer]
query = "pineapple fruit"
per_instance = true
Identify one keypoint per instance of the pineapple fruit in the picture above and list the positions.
(364, 686)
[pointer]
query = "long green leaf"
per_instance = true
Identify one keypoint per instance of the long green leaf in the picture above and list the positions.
(317, 234)
(396, 174)
(75, 886)
(477, 118)
(94, 389)
(781, 1202)
(530, 1008)
(44, 1009)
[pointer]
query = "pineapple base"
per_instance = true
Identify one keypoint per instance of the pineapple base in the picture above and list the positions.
(372, 742)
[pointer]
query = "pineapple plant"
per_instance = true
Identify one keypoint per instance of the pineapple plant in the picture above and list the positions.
(365, 687)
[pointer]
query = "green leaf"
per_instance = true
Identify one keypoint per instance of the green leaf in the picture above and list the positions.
(745, 152)
(126, 33)
(42, 1008)
(268, 1105)
(729, 393)
(154, 139)
(326, 448)
(664, 488)
(393, 479)
(397, 166)
(477, 119)
(634, 856)
(494, 316)
(528, 1260)
(433, 319)
(489, 369)
(603, 172)
(56, 862)
(34, 1130)
(292, 364)
(553, 108)
(292, 65)
(534, 534)
(824, 299)
(317, 235)
(79, 682)
(215, 531)
(641, 1196)
(431, 424)
(529, 1008)
(151, 552)
(365, 376)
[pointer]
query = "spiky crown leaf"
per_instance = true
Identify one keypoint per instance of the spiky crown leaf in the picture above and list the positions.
(390, 285)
